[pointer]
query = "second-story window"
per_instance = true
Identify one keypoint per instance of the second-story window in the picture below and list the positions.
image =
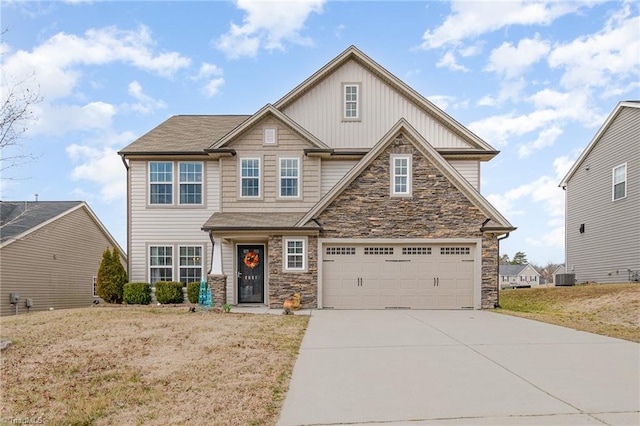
(250, 177)
(620, 182)
(161, 182)
(352, 101)
(289, 177)
(190, 183)
(401, 175)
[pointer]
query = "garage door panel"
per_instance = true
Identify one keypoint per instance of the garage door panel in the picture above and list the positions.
(419, 276)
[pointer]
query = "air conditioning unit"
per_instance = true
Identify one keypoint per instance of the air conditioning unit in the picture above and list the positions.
(565, 279)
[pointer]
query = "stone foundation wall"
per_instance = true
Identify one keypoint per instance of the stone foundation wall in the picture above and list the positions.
(283, 285)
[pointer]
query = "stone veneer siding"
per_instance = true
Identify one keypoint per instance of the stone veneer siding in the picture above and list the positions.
(218, 285)
(283, 285)
(436, 209)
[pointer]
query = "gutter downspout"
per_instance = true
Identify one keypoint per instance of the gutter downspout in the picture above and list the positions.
(504, 237)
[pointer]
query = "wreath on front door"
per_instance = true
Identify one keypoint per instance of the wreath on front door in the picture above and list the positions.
(251, 259)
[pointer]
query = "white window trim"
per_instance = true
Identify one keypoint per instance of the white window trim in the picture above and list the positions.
(177, 190)
(265, 136)
(613, 182)
(173, 184)
(290, 197)
(285, 254)
(409, 191)
(358, 101)
(260, 171)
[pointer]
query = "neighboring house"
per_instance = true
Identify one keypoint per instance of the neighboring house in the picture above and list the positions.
(602, 229)
(512, 276)
(352, 190)
(50, 252)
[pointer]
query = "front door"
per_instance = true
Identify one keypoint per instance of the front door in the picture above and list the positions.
(251, 273)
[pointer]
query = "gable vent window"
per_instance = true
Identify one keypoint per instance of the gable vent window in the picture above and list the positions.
(454, 250)
(352, 101)
(416, 250)
(620, 182)
(378, 250)
(270, 136)
(340, 251)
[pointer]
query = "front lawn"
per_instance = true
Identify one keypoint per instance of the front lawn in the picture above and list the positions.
(608, 309)
(147, 365)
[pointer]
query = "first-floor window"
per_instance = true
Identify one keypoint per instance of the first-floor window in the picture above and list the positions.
(294, 254)
(190, 264)
(160, 263)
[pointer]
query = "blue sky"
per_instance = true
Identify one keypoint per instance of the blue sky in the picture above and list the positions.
(536, 80)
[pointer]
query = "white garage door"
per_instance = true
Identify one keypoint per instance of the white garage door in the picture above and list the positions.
(419, 276)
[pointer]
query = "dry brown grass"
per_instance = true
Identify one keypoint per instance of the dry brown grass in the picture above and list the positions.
(151, 366)
(608, 309)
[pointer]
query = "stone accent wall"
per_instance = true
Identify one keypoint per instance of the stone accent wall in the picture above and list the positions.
(218, 285)
(436, 209)
(283, 285)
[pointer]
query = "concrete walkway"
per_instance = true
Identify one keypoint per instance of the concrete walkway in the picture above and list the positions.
(459, 368)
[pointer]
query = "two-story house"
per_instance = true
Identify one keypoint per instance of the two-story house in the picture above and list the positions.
(353, 190)
(602, 225)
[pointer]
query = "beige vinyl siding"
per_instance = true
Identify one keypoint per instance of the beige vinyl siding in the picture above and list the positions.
(171, 225)
(250, 145)
(320, 112)
(611, 241)
(470, 170)
(54, 265)
(332, 171)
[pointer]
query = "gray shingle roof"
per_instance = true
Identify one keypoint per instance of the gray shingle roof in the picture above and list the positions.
(184, 134)
(240, 221)
(511, 270)
(17, 217)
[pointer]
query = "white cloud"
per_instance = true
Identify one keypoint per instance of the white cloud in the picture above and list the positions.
(267, 24)
(101, 166)
(512, 61)
(146, 104)
(470, 19)
(59, 119)
(448, 60)
(608, 59)
(56, 62)
(212, 87)
(547, 137)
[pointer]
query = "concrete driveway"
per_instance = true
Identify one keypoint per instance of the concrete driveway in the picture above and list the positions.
(459, 368)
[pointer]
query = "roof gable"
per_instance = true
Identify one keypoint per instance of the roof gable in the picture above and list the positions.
(603, 129)
(354, 54)
(254, 119)
(499, 223)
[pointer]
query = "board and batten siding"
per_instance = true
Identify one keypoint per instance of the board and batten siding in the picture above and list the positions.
(174, 225)
(53, 265)
(320, 112)
(250, 145)
(610, 243)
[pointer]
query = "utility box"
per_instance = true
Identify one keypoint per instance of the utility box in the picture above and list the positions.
(28, 303)
(565, 279)
(14, 297)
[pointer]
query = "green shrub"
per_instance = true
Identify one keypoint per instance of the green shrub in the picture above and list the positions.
(111, 277)
(137, 293)
(193, 292)
(169, 292)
